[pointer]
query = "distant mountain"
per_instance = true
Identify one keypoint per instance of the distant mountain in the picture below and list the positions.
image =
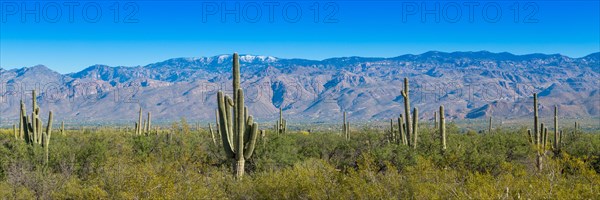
(470, 85)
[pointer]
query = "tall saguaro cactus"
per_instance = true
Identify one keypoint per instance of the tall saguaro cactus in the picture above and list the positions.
(537, 131)
(557, 135)
(47, 134)
(405, 94)
(346, 128)
(281, 126)
(410, 129)
(442, 128)
(415, 127)
(239, 136)
(490, 126)
(138, 127)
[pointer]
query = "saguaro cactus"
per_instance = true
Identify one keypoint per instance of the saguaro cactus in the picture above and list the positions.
(212, 134)
(346, 128)
(239, 136)
(21, 121)
(557, 137)
(281, 126)
(15, 132)
(490, 126)
(392, 135)
(62, 128)
(47, 135)
(442, 128)
(415, 127)
(537, 131)
(405, 94)
(410, 129)
(435, 125)
(138, 126)
(149, 123)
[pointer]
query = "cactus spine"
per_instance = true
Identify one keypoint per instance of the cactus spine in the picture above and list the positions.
(442, 128)
(239, 136)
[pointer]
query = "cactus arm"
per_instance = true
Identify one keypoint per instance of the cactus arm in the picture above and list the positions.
(227, 145)
(49, 125)
(248, 128)
(251, 144)
(23, 123)
(229, 124)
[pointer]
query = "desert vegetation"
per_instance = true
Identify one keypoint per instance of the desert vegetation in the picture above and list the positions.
(410, 158)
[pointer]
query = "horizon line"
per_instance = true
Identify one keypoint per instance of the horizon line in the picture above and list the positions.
(307, 59)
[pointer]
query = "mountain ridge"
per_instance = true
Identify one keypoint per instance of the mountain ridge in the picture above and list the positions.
(469, 84)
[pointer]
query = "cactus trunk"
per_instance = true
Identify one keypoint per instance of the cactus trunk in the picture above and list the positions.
(21, 121)
(490, 126)
(556, 134)
(149, 121)
(415, 127)
(536, 131)
(443, 128)
(405, 94)
(138, 129)
(212, 134)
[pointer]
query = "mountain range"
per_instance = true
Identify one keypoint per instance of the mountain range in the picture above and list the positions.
(471, 85)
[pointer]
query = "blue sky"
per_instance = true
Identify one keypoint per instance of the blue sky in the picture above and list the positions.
(130, 33)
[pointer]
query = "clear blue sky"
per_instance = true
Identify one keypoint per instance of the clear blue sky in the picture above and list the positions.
(70, 37)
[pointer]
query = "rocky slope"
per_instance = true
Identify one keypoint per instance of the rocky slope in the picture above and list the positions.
(469, 84)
